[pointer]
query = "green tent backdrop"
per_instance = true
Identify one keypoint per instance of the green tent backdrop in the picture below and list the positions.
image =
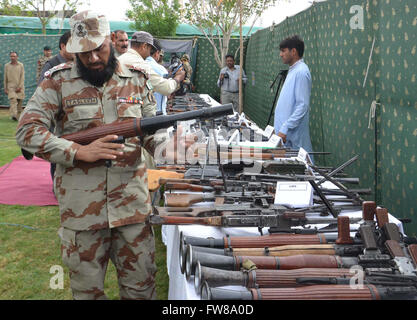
(338, 57)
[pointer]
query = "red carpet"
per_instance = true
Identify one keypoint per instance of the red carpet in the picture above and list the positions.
(26, 183)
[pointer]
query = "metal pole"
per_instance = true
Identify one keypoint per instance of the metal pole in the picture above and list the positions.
(241, 60)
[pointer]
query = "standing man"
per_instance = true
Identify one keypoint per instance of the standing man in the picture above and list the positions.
(291, 121)
(161, 100)
(14, 85)
(185, 59)
(47, 53)
(62, 57)
(120, 42)
(229, 82)
(141, 45)
(103, 209)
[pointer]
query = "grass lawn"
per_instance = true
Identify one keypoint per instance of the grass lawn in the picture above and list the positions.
(27, 254)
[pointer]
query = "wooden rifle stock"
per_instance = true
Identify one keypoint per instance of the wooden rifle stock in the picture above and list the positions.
(185, 200)
(187, 186)
(154, 177)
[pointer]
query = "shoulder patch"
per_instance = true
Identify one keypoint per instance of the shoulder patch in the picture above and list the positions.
(134, 68)
(63, 66)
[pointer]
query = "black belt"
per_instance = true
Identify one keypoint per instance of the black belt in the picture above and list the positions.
(231, 91)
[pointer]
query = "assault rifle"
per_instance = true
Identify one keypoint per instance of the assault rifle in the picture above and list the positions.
(280, 219)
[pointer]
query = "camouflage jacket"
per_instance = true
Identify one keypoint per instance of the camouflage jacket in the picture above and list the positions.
(188, 72)
(90, 195)
(41, 62)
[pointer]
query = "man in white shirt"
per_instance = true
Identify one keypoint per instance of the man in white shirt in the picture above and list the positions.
(161, 100)
(141, 44)
(229, 82)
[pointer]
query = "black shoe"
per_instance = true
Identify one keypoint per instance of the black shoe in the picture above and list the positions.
(14, 118)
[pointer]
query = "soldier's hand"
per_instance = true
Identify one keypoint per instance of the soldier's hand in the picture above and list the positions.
(18, 90)
(6, 91)
(221, 76)
(100, 149)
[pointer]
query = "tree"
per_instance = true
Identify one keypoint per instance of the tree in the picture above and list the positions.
(218, 19)
(158, 17)
(45, 10)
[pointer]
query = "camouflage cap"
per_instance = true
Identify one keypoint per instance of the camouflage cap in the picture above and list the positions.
(185, 56)
(88, 31)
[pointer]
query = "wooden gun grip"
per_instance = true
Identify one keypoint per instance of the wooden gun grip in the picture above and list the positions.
(394, 248)
(368, 210)
(381, 217)
(343, 229)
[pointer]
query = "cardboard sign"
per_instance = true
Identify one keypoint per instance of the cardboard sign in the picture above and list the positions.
(296, 194)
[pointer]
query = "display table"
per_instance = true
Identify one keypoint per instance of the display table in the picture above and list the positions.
(179, 287)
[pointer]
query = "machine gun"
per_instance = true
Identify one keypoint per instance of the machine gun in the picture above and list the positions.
(279, 220)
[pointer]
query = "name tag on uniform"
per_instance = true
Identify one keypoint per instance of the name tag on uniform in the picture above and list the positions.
(130, 100)
(81, 102)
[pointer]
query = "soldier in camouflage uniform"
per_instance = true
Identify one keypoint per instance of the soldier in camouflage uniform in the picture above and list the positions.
(185, 59)
(103, 209)
(47, 54)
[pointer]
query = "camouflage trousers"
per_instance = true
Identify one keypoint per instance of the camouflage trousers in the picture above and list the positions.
(131, 248)
(230, 97)
(15, 107)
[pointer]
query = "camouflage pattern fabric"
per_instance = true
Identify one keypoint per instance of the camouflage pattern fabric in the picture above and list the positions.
(131, 248)
(88, 31)
(90, 195)
(188, 72)
(41, 62)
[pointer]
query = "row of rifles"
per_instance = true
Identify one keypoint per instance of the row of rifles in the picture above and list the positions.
(309, 252)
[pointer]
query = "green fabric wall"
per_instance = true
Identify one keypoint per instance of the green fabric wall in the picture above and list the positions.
(337, 56)
(207, 71)
(29, 48)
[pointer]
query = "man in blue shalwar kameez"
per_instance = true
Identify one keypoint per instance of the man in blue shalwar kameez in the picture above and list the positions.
(291, 121)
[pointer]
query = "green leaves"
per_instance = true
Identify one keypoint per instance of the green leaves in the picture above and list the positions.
(158, 17)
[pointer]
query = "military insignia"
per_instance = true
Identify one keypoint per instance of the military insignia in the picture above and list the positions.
(81, 102)
(80, 29)
(62, 66)
(134, 68)
(130, 100)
